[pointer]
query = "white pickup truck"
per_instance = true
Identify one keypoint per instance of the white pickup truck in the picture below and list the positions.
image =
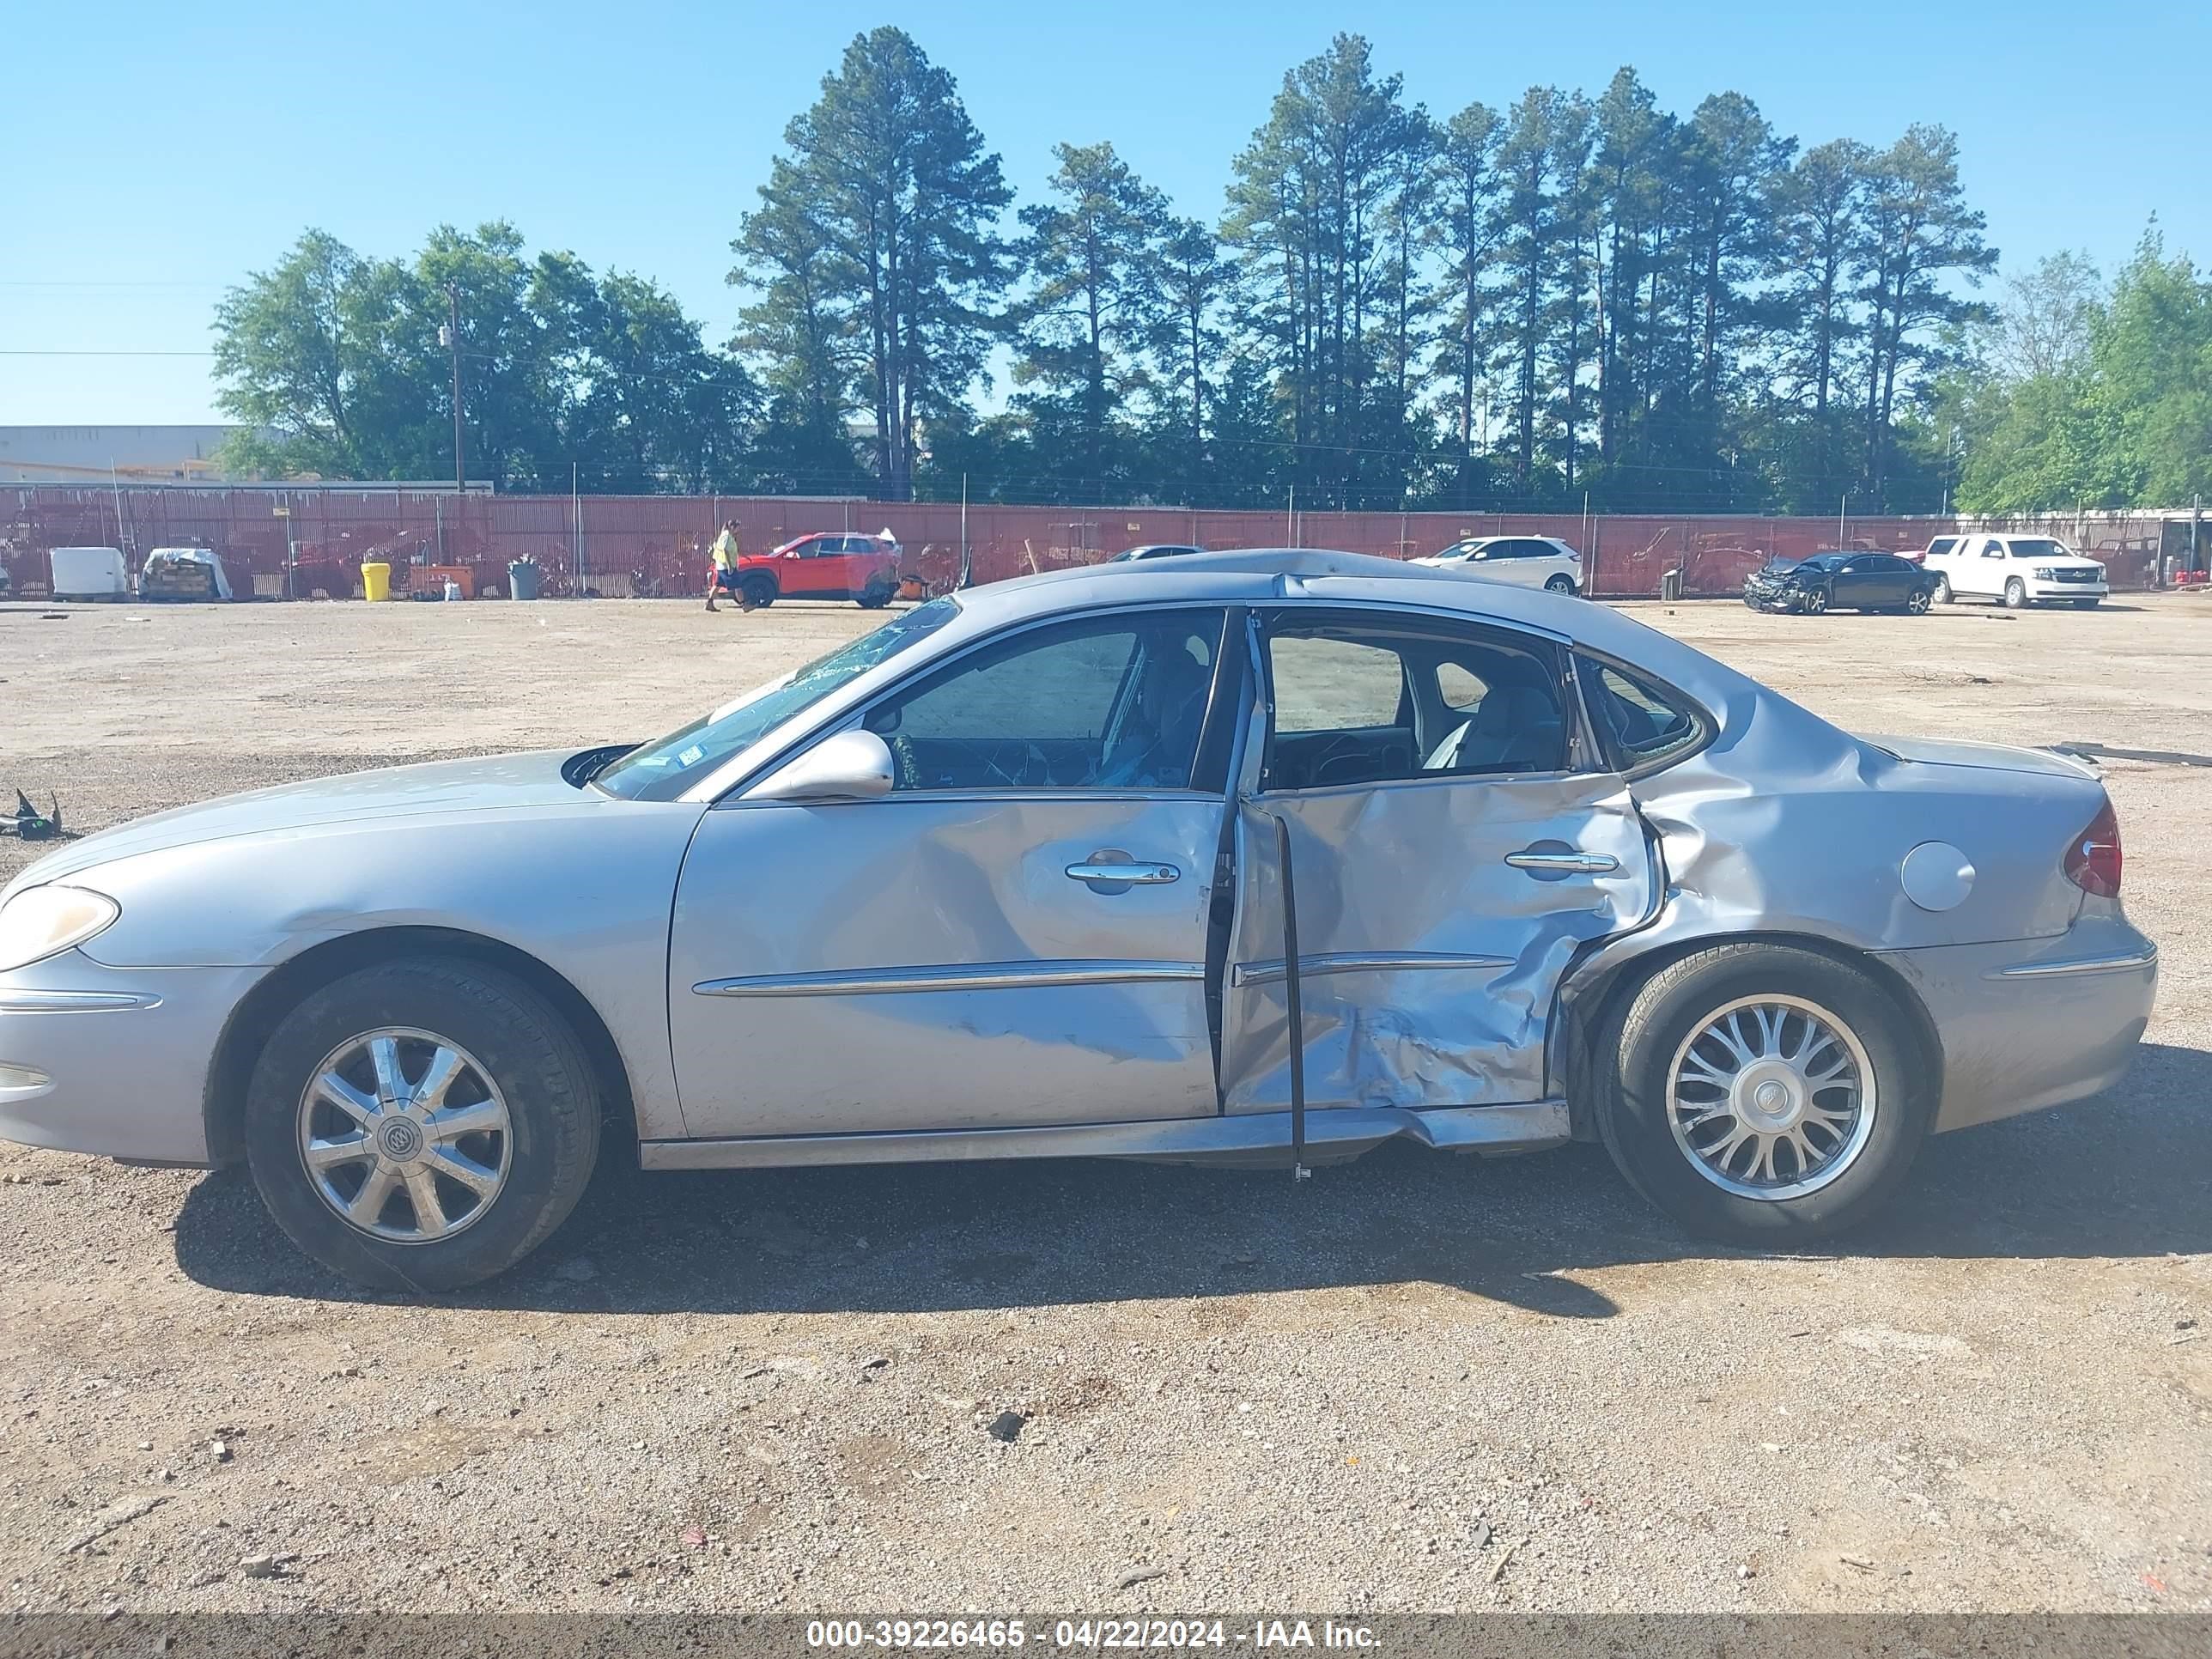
(2017, 571)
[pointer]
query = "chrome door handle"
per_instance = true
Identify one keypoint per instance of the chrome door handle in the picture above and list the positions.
(1586, 864)
(1125, 875)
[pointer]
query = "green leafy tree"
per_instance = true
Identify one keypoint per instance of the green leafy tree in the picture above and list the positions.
(1464, 231)
(804, 331)
(1094, 256)
(311, 352)
(1923, 239)
(1187, 341)
(1309, 208)
(888, 168)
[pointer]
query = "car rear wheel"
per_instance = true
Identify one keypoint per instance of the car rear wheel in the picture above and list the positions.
(2015, 594)
(1758, 1093)
(421, 1125)
(1916, 603)
(877, 593)
(759, 591)
(1816, 601)
(1560, 583)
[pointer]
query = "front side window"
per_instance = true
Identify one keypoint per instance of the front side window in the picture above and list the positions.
(1115, 702)
(1643, 726)
(1358, 702)
(664, 770)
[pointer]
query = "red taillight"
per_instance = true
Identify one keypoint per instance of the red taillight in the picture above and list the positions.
(2093, 862)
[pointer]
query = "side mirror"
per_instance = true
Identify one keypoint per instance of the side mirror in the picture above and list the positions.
(851, 766)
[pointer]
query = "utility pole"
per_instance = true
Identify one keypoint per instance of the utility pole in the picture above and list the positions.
(450, 337)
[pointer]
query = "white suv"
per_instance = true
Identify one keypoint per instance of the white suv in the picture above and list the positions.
(1525, 560)
(2015, 570)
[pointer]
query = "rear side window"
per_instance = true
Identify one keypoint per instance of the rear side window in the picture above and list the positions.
(1643, 726)
(1361, 700)
(1942, 545)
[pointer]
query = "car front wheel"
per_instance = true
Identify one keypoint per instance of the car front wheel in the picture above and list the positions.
(758, 590)
(1943, 590)
(1760, 1093)
(1816, 601)
(2015, 594)
(420, 1125)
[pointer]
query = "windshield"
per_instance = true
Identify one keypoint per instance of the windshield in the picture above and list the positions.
(666, 768)
(2032, 547)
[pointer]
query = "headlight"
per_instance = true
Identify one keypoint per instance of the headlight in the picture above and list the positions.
(2045, 573)
(42, 922)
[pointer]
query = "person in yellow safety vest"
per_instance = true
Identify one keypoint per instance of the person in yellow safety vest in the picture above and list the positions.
(724, 578)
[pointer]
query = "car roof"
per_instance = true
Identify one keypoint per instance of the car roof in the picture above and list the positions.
(1258, 576)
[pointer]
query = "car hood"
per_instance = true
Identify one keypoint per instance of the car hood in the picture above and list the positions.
(492, 782)
(1993, 757)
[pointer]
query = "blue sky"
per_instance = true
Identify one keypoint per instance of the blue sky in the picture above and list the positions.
(153, 160)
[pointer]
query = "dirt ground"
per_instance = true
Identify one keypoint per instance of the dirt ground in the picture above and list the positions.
(1412, 1383)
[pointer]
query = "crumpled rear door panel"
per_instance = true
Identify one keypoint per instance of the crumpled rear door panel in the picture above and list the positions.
(1429, 965)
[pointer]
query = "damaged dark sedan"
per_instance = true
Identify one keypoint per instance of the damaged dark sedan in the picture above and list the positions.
(1841, 581)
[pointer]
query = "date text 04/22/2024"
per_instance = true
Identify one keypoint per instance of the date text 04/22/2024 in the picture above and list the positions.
(1103, 1634)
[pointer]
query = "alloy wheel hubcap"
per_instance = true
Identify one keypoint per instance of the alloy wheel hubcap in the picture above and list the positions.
(1771, 1097)
(405, 1135)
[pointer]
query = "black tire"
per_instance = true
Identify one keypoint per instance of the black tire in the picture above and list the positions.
(1816, 602)
(2015, 594)
(1917, 604)
(877, 595)
(1650, 1026)
(1560, 585)
(1944, 593)
(515, 1035)
(759, 591)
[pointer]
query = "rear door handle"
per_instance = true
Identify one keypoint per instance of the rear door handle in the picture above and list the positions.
(1582, 864)
(1114, 876)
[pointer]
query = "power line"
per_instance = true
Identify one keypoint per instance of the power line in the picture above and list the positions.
(11, 351)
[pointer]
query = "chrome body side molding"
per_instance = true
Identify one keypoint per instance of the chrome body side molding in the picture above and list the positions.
(982, 977)
(25, 999)
(1270, 971)
(2126, 963)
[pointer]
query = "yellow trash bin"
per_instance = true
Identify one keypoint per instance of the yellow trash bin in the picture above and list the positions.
(376, 579)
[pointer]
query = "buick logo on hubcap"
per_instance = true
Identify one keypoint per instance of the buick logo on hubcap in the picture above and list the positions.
(399, 1139)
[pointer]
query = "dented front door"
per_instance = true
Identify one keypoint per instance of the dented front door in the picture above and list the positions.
(1016, 937)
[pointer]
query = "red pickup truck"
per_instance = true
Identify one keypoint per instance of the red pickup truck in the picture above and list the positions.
(828, 565)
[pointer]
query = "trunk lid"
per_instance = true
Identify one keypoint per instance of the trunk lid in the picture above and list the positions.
(1988, 756)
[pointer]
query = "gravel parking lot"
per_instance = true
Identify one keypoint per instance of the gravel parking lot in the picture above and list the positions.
(1412, 1383)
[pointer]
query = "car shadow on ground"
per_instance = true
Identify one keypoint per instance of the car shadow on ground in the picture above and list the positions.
(2127, 1175)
